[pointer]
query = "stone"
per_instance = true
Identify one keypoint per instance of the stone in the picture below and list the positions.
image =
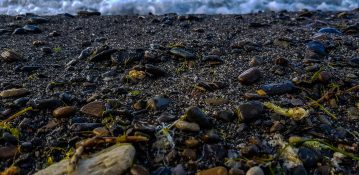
(103, 56)
(195, 114)
(191, 142)
(278, 88)
(256, 170)
(329, 30)
(37, 20)
(158, 103)
(182, 53)
(7, 152)
(213, 60)
(101, 131)
(220, 170)
(86, 53)
(250, 111)
(189, 154)
(315, 50)
(50, 103)
(19, 31)
(64, 112)
(249, 76)
(225, 115)
(139, 170)
(354, 62)
(14, 92)
(31, 28)
(95, 108)
(10, 56)
(187, 126)
(353, 113)
(178, 170)
(114, 160)
(235, 171)
(79, 127)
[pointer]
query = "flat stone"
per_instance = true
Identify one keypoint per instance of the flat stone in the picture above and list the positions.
(158, 103)
(279, 88)
(220, 170)
(255, 171)
(115, 160)
(195, 114)
(64, 112)
(187, 126)
(182, 53)
(14, 92)
(10, 56)
(95, 108)
(32, 28)
(249, 76)
(250, 111)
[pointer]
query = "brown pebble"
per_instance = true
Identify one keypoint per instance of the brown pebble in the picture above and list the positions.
(64, 112)
(95, 108)
(187, 126)
(14, 92)
(191, 142)
(219, 170)
(249, 76)
(7, 152)
(10, 56)
(139, 170)
(100, 131)
(189, 154)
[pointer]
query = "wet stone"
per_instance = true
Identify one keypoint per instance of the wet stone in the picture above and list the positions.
(95, 108)
(195, 114)
(298, 170)
(279, 88)
(9, 55)
(154, 71)
(225, 115)
(7, 152)
(249, 150)
(13, 92)
(329, 30)
(187, 126)
(50, 103)
(213, 60)
(250, 111)
(37, 20)
(86, 53)
(315, 50)
(128, 57)
(139, 170)
(255, 171)
(31, 28)
(64, 112)
(220, 170)
(308, 156)
(178, 170)
(7, 137)
(182, 53)
(20, 102)
(191, 142)
(158, 103)
(249, 76)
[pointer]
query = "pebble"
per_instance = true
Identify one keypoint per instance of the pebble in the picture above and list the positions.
(79, 127)
(249, 150)
(178, 170)
(191, 142)
(250, 111)
(54, 34)
(213, 60)
(216, 101)
(256, 170)
(20, 102)
(329, 30)
(101, 131)
(279, 88)
(10, 56)
(353, 113)
(39, 43)
(187, 126)
(298, 170)
(46, 50)
(189, 154)
(235, 171)
(315, 50)
(250, 76)
(182, 53)
(37, 20)
(226, 115)
(103, 56)
(7, 137)
(324, 76)
(95, 108)
(354, 62)
(31, 28)
(50, 103)
(86, 53)
(7, 152)
(219, 170)
(64, 112)
(13, 92)
(154, 71)
(19, 31)
(211, 136)
(308, 156)
(158, 103)
(139, 170)
(195, 114)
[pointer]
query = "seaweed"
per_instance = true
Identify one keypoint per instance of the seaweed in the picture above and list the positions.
(295, 113)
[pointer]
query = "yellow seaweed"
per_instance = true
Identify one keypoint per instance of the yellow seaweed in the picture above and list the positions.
(295, 113)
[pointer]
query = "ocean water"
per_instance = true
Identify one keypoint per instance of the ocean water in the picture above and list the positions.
(120, 7)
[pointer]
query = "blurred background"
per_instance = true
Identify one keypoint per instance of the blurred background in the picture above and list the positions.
(121, 7)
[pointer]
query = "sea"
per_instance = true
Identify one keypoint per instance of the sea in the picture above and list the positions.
(142, 7)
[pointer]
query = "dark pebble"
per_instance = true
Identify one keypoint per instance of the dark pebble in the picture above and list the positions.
(213, 60)
(329, 30)
(7, 137)
(308, 156)
(354, 62)
(279, 88)
(225, 115)
(103, 56)
(31, 28)
(182, 53)
(298, 170)
(37, 20)
(79, 127)
(88, 13)
(158, 103)
(250, 76)
(46, 103)
(250, 111)
(195, 114)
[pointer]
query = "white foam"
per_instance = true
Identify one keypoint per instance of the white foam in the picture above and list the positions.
(118, 7)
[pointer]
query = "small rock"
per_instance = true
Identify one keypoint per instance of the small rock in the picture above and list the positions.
(7, 137)
(187, 126)
(249, 76)
(250, 111)
(64, 112)
(191, 142)
(39, 43)
(8, 152)
(216, 101)
(315, 50)
(324, 76)
(249, 150)
(54, 34)
(220, 170)
(102, 56)
(116, 159)
(189, 154)
(182, 53)
(95, 108)
(13, 92)
(31, 28)
(225, 115)
(80, 127)
(213, 60)
(298, 170)
(154, 71)
(37, 20)
(353, 113)
(178, 170)
(157, 103)
(279, 88)
(86, 52)
(256, 170)
(235, 171)
(195, 114)
(50, 103)
(354, 62)
(329, 30)
(139, 170)
(10, 56)
(211, 137)
(308, 156)
(101, 131)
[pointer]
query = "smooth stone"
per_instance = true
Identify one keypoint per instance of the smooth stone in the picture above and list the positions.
(10, 56)
(19, 31)
(279, 88)
(250, 111)
(50, 103)
(79, 127)
(20, 102)
(329, 30)
(249, 76)
(32, 28)
(256, 170)
(195, 114)
(139, 170)
(213, 59)
(187, 126)
(64, 112)
(37, 20)
(8, 152)
(13, 92)
(101, 131)
(158, 103)
(220, 170)
(128, 57)
(235, 171)
(225, 115)
(308, 156)
(10, 138)
(114, 160)
(154, 71)
(95, 108)
(182, 53)
(86, 53)
(354, 62)
(103, 56)
(211, 137)
(316, 47)
(189, 154)
(353, 113)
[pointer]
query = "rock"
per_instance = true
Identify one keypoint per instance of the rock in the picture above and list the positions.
(21, 102)
(37, 20)
(95, 108)
(80, 127)
(54, 34)
(256, 170)
(354, 62)
(353, 113)
(220, 170)
(191, 142)
(279, 88)
(216, 101)
(31, 28)
(189, 154)
(166, 117)
(88, 13)
(324, 76)
(127, 57)
(162, 171)
(114, 160)
(103, 56)
(10, 56)
(158, 103)
(315, 50)
(210, 86)
(39, 43)
(213, 60)
(178, 170)
(211, 136)
(8, 138)
(195, 114)
(225, 115)
(13, 92)
(86, 53)
(249, 150)
(187, 126)
(50, 103)
(139, 170)
(249, 76)
(154, 71)
(7, 152)
(235, 171)
(101, 131)
(19, 31)
(182, 53)
(308, 156)
(329, 30)
(64, 112)
(250, 111)
(323, 170)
